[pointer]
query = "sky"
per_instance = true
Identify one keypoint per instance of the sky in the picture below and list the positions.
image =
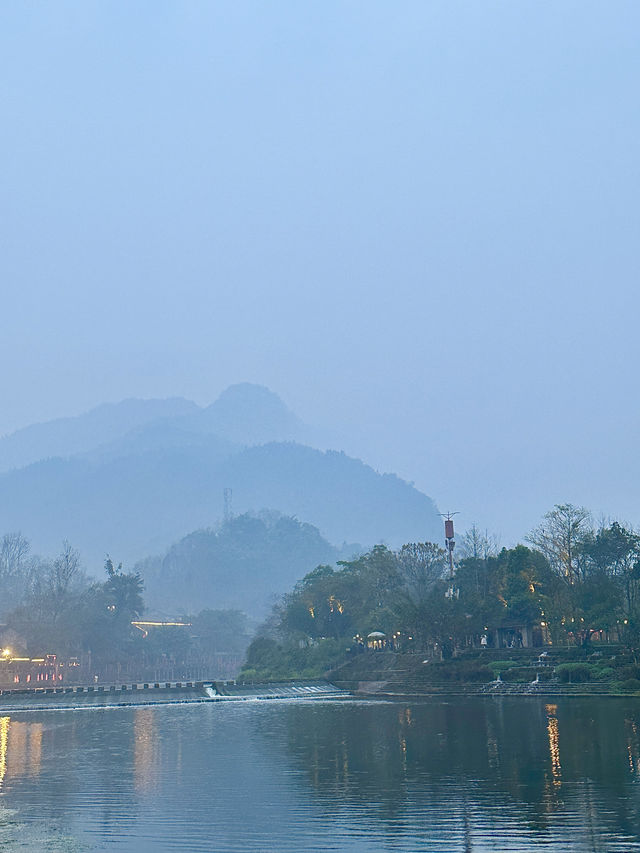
(415, 221)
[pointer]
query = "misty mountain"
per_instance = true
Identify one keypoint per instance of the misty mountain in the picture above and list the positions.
(242, 566)
(160, 436)
(69, 436)
(248, 414)
(164, 477)
(243, 414)
(134, 505)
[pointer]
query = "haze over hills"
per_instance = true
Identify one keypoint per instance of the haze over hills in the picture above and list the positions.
(156, 471)
(243, 414)
(70, 436)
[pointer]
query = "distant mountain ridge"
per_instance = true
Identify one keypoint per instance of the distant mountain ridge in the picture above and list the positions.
(82, 433)
(244, 414)
(156, 470)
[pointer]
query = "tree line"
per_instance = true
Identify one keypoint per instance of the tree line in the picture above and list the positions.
(571, 578)
(53, 606)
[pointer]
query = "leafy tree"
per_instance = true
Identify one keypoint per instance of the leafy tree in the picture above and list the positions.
(124, 592)
(107, 611)
(614, 551)
(221, 631)
(168, 643)
(320, 605)
(369, 591)
(524, 577)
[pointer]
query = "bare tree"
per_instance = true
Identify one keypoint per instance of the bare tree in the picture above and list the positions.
(478, 544)
(65, 571)
(421, 565)
(16, 570)
(14, 550)
(560, 537)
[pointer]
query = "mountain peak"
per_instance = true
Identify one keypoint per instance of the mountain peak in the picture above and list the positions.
(249, 392)
(251, 414)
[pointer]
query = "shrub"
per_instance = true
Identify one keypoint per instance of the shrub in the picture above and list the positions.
(603, 673)
(574, 673)
(629, 672)
(630, 685)
(249, 674)
(519, 674)
(454, 670)
(476, 673)
(497, 666)
(268, 660)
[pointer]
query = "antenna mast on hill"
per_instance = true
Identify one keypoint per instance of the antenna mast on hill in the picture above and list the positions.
(228, 511)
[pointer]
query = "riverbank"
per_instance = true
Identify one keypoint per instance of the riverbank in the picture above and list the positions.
(386, 690)
(518, 672)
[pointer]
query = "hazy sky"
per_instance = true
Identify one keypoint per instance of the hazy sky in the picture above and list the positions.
(416, 221)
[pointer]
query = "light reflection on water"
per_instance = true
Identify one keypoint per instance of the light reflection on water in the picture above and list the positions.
(497, 774)
(4, 740)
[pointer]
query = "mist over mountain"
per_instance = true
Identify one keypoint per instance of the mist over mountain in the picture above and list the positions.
(73, 435)
(248, 414)
(242, 565)
(162, 471)
(243, 414)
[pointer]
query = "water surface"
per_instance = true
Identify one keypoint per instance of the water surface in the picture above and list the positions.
(475, 774)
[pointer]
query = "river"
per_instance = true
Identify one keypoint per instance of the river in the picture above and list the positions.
(474, 774)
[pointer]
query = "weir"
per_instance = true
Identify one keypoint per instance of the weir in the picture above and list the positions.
(159, 693)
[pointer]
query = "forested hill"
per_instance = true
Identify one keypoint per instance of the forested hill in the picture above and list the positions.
(243, 565)
(151, 484)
